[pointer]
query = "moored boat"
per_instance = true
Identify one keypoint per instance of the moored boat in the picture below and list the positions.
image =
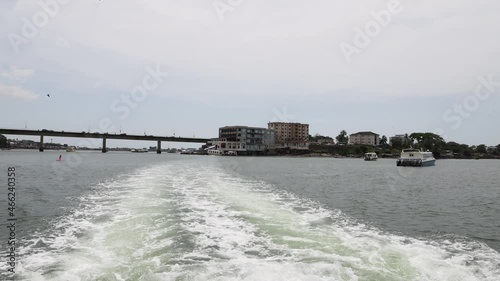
(221, 152)
(371, 156)
(415, 158)
(215, 152)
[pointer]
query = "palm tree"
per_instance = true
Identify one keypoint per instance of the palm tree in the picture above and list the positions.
(342, 138)
(383, 141)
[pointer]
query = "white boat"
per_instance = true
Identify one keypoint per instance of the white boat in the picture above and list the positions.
(371, 156)
(139, 150)
(221, 152)
(415, 158)
(214, 152)
(70, 149)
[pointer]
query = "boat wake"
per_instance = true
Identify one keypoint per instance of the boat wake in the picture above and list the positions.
(190, 221)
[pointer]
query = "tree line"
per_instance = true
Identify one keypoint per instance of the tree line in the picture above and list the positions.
(422, 140)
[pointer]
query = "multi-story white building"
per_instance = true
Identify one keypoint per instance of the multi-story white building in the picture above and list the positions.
(290, 135)
(366, 138)
(244, 140)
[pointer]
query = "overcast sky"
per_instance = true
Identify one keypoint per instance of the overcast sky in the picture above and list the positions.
(195, 66)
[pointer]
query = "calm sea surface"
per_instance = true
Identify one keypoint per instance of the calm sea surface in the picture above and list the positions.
(124, 216)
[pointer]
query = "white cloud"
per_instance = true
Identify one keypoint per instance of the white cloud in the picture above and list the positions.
(16, 74)
(16, 92)
(430, 48)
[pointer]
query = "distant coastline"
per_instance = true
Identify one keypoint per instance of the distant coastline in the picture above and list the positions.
(440, 148)
(301, 155)
(315, 155)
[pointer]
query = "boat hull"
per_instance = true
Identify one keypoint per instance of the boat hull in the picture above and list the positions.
(370, 156)
(222, 153)
(428, 162)
(405, 162)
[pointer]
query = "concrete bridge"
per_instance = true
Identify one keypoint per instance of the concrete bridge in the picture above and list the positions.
(103, 136)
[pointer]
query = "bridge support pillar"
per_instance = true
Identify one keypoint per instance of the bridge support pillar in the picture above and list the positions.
(40, 148)
(158, 147)
(104, 150)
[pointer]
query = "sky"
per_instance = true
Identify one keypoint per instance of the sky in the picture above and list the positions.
(165, 67)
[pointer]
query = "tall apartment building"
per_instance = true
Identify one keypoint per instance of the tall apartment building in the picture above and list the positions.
(290, 135)
(244, 140)
(366, 138)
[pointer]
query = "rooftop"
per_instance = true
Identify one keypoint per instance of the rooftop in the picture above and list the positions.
(294, 123)
(365, 133)
(247, 127)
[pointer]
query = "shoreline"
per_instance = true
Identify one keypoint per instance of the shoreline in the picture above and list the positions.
(307, 155)
(361, 156)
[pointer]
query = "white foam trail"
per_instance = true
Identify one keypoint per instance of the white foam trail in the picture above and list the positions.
(196, 221)
(248, 214)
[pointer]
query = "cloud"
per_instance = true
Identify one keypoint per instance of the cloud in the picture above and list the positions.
(16, 92)
(16, 74)
(274, 47)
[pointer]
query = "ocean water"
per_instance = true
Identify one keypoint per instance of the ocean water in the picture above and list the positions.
(124, 216)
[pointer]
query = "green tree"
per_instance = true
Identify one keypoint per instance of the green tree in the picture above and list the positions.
(481, 149)
(397, 143)
(364, 149)
(428, 141)
(407, 142)
(342, 138)
(383, 141)
(3, 141)
(453, 146)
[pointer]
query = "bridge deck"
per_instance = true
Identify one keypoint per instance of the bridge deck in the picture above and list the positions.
(98, 135)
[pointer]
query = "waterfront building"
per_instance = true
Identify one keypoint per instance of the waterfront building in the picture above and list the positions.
(291, 135)
(244, 140)
(365, 138)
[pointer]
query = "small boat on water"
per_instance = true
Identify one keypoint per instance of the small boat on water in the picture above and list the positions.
(143, 150)
(70, 149)
(415, 158)
(371, 156)
(214, 152)
(221, 152)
